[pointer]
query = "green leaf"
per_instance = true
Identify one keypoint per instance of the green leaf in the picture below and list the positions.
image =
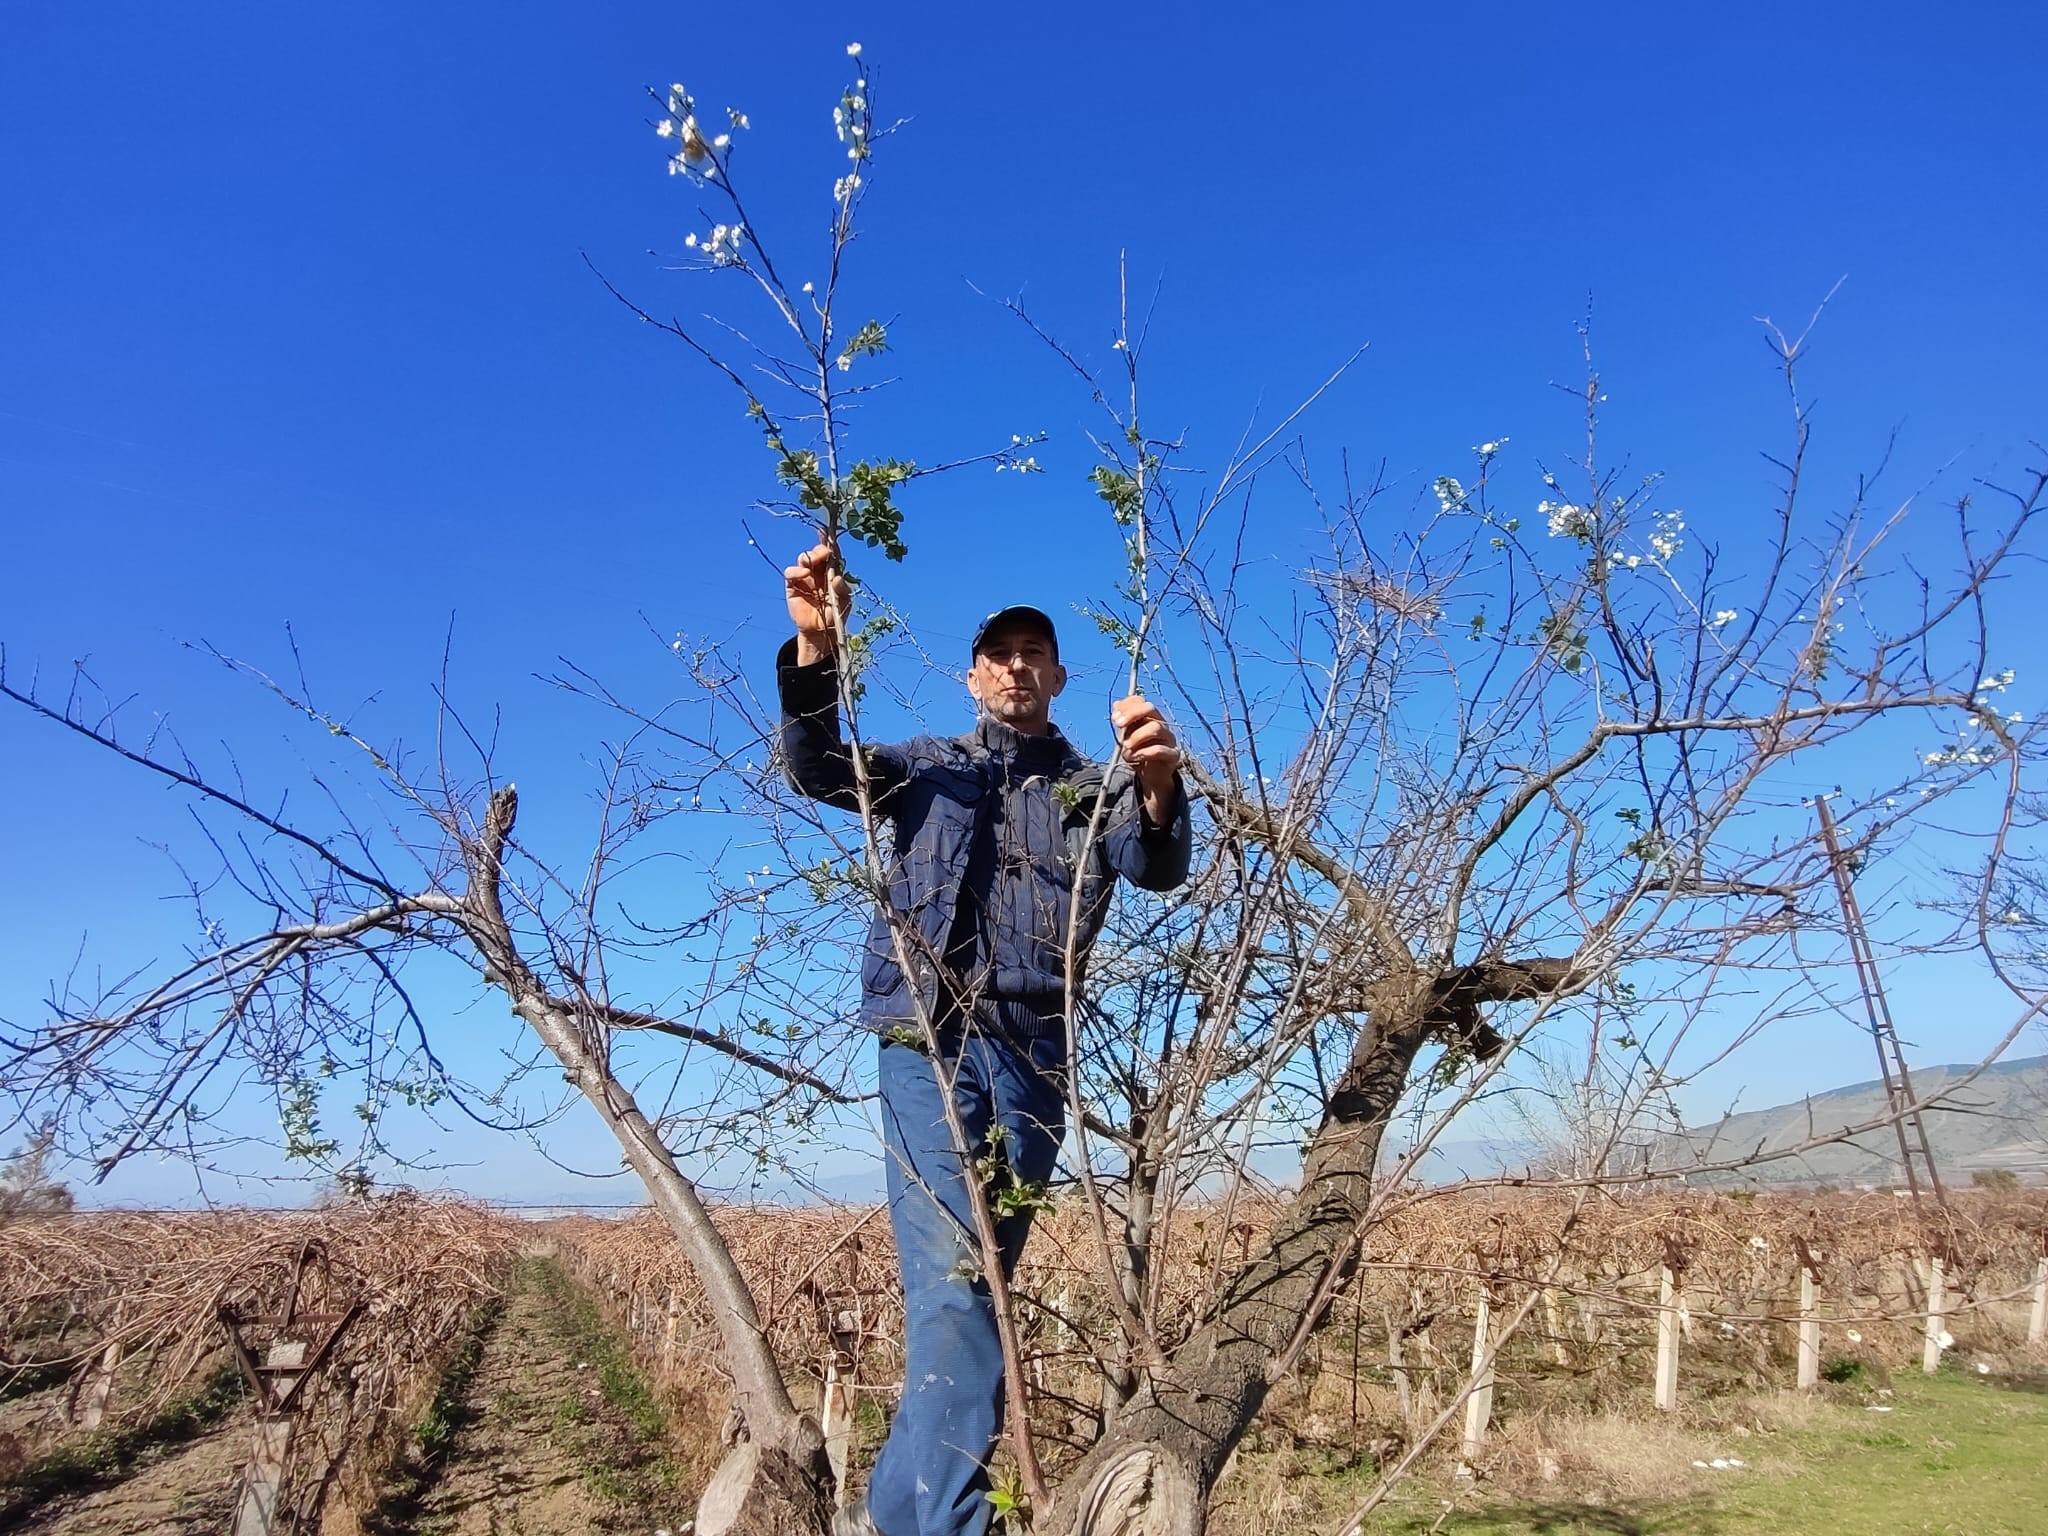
(1125, 496)
(871, 340)
(871, 514)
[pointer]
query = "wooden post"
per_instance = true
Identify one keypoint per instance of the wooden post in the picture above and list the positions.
(1479, 1403)
(1667, 1339)
(1553, 1319)
(263, 1482)
(2037, 1320)
(1937, 1309)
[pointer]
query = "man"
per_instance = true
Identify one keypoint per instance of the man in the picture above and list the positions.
(964, 980)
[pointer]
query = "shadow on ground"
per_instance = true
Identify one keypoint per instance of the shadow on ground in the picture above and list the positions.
(1663, 1517)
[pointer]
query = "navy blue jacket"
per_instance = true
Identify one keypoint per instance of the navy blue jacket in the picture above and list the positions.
(985, 830)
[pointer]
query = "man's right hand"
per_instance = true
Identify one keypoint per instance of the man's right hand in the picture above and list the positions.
(817, 594)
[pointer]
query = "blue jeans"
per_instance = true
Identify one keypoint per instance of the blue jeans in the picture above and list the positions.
(932, 1475)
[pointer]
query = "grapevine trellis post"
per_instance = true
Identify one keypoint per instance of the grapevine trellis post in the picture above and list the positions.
(1553, 1321)
(1667, 1326)
(1479, 1402)
(1937, 1317)
(278, 1384)
(2037, 1320)
(1809, 1318)
(101, 1384)
(263, 1481)
(1397, 1367)
(844, 1327)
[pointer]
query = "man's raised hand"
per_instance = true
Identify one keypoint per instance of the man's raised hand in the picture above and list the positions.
(816, 594)
(1147, 743)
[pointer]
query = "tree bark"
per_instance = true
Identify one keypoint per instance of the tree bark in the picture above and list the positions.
(1154, 1471)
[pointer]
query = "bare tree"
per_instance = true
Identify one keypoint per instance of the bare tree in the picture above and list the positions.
(1473, 777)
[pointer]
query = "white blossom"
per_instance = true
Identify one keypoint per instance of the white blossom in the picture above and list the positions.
(1567, 521)
(853, 50)
(737, 118)
(845, 186)
(1450, 495)
(808, 288)
(1725, 616)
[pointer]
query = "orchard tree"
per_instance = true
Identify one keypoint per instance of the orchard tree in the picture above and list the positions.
(1529, 764)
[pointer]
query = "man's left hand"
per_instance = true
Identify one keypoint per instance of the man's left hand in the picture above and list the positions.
(1147, 743)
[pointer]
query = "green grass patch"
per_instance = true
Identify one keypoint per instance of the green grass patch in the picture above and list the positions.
(586, 1332)
(411, 1468)
(444, 1415)
(631, 1470)
(108, 1455)
(1955, 1456)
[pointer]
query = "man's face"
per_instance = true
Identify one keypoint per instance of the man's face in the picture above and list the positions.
(1015, 677)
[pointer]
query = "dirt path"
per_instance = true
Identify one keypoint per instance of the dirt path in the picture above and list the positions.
(551, 1435)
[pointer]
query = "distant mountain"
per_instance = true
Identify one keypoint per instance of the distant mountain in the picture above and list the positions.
(1998, 1120)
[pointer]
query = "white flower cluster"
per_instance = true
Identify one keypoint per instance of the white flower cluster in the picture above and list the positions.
(845, 187)
(1488, 450)
(1567, 521)
(850, 119)
(695, 155)
(1450, 495)
(1665, 542)
(1964, 757)
(1997, 682)
(1725, 616)
(721, 247)
(1028, 465)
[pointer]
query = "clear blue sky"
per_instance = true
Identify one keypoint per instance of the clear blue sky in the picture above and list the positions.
(295, 325)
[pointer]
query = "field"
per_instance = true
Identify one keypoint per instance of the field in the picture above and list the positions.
(492, 1375)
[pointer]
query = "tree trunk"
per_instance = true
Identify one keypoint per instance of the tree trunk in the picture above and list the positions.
(1154, 1471)
(777, 1481)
